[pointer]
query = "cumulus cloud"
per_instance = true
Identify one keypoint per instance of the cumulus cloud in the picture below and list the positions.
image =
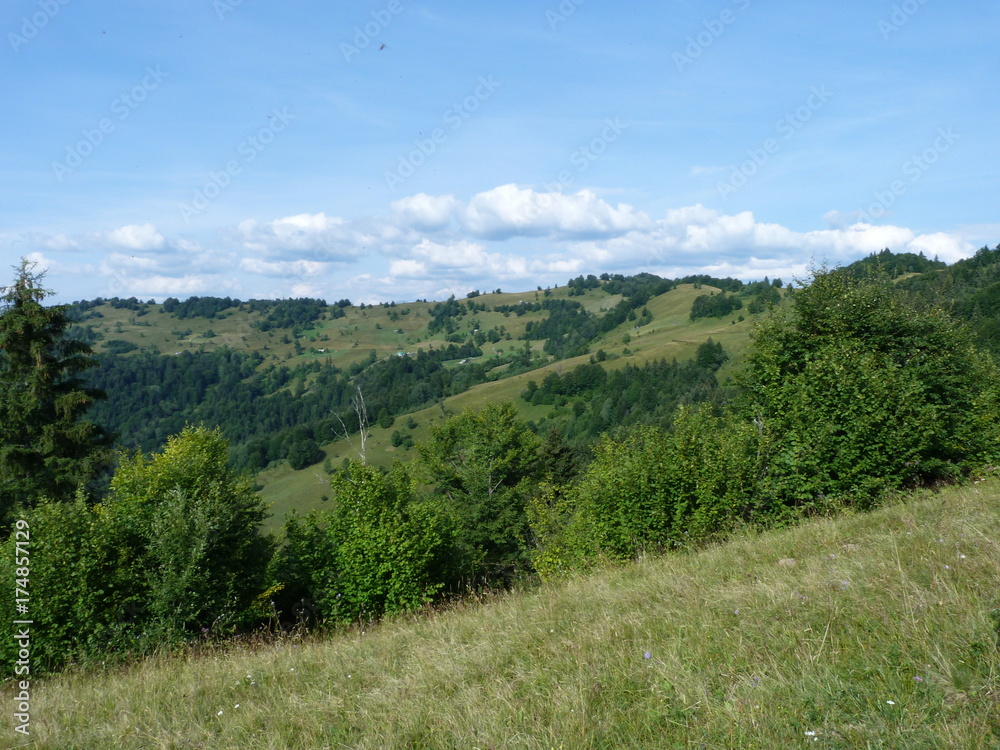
(508, 210)
(426, 245)
(699, 238)
(426, 211)
(296, 268)
(137, 237)
(316, 237)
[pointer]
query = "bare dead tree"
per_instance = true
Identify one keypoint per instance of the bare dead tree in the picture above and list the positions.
(358, 402)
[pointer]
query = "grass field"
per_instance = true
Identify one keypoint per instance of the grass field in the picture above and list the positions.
(858, 631)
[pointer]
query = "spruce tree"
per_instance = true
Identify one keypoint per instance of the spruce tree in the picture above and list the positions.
(46, 448)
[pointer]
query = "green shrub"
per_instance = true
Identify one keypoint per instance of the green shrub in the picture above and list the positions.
(482, 465)
(70, 603)
(185, 532)
(649, 491)
(380, 550)
(857, 389)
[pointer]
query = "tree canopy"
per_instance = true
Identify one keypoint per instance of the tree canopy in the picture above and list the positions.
(47, 449)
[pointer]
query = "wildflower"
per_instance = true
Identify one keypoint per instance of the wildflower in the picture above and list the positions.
(219, 714)
(891, 703)
(647, 655)
(961, 557)
(236, 706)
(810, 734)
(918, 678)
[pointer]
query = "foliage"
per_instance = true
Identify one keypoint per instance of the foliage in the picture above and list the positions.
(289, 313)
(69, 593)
(174, 549)
(894, 264)
(303, 453)
(715, 306)
(380, 550)
(651, 490)
(198, 307)
(597, 401)
(970, 289)
(185, 531)
(858, 390)
(481, 464)
(47, 449)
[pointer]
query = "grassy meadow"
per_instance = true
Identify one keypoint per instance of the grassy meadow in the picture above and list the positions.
(855, 631)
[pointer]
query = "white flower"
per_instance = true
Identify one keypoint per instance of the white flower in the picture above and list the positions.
(219, 714)
(891, 703)
(810, 734)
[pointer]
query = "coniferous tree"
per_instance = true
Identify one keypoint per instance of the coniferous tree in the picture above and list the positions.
(46, 448)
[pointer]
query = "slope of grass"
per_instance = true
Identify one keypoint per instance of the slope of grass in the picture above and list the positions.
(850, 632)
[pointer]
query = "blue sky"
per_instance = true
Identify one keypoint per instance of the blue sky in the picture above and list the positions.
(405, 149)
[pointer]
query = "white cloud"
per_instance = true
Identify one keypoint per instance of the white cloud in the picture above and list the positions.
(315, 237)
(136, 237)
(425, 245)
(296, 268)
(426, 211)
(508, 210)
(408, 268)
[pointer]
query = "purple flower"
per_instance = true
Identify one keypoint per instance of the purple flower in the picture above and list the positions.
(648, 655)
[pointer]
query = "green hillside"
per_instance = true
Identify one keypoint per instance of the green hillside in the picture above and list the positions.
(360, 335)
(848, 632)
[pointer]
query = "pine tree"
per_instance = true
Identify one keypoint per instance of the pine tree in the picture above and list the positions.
(46, 448)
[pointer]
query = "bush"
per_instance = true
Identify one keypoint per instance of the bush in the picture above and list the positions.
(185, 532)
(175, 548)
(69, 597)
(857, 389)
(304, 453)
(380, 550)
(649, 491)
